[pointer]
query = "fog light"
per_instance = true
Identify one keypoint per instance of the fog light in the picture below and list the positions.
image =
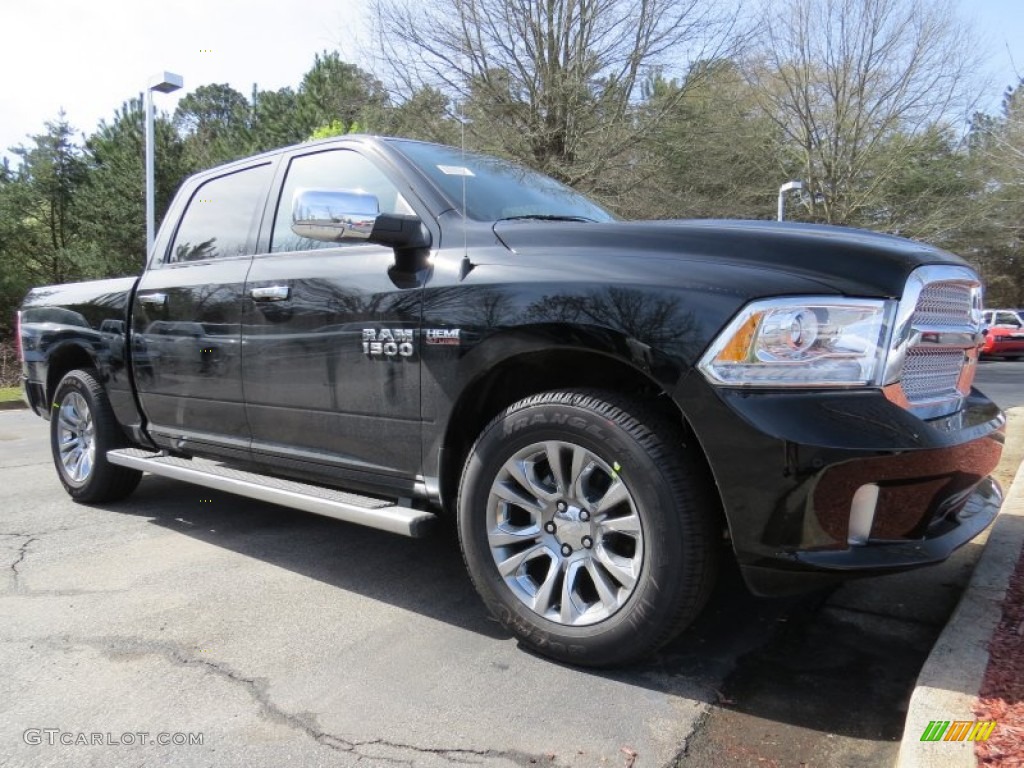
(862, 514)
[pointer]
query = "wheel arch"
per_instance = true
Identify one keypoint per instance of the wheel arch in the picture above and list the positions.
(64, 359)
(533, 372)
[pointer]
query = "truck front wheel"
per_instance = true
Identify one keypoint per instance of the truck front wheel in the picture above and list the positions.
(82, 429)
(584, 527)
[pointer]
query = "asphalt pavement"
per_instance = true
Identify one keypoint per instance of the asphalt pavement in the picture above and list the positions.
(282, 638)
(1002, 380)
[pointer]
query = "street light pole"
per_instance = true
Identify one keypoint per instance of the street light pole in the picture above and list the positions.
(789, 186)
(165, 82)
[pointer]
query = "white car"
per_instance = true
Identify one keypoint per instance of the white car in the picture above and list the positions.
(1009, 317)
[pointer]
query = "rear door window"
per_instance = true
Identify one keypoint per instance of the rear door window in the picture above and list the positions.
(221, 217)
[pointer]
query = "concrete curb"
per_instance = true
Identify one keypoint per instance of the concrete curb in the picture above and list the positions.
(13, 405)
(948, 685)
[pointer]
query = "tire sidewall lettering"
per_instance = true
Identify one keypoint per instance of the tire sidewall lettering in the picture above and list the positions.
(517, 423)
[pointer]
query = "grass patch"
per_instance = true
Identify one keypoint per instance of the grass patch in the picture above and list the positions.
(10, 394)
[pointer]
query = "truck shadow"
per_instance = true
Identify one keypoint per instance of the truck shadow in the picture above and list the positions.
(846, 666)
(794, 660)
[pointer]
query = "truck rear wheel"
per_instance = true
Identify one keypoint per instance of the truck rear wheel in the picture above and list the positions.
(82, 429)
(582, 526)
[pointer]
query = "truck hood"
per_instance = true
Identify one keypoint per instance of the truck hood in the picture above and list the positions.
(854, 262)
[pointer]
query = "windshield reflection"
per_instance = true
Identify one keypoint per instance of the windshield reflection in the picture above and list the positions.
(497, 189)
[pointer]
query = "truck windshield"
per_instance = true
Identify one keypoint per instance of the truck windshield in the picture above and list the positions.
(497, 189)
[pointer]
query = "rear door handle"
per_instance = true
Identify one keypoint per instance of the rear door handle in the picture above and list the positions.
(270, 293)
(153, 299)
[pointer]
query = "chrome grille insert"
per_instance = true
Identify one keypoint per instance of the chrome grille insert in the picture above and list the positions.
(931, 374)
(944, 304)
(936, 334)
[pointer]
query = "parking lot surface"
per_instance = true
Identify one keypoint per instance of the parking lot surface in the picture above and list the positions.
(289, 639)
(1003, 381)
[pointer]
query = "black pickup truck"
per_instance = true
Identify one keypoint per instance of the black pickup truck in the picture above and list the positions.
(388, 331)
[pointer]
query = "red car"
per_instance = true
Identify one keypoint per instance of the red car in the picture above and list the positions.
(1003, 334)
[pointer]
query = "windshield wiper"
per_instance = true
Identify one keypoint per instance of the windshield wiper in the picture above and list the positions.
(546, 217)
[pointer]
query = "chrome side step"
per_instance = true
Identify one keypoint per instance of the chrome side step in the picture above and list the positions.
(350, 507)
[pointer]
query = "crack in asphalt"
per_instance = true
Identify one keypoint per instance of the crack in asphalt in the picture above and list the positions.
(22, 551)
(257, 689)
(681, 755)
(37, 534)
(306, 722)
(452, 754)
(30, 538)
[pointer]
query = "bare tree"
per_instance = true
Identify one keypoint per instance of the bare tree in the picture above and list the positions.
(843, 78)
(997, 145)
(552, 83)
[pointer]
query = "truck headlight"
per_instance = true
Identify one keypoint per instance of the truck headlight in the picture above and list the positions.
(802, 342)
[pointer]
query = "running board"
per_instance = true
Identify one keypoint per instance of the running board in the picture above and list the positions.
(350, 507)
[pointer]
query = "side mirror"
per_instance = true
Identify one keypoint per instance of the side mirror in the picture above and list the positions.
(333, 215)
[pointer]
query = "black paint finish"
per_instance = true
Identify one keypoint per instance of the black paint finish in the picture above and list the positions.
(186, 354)
(287, 383)
(312, 393)
(66, 324)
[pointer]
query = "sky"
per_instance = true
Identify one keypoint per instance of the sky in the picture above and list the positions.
(999, 25)
(89, 57)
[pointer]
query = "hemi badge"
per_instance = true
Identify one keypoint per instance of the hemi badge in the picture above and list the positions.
(442, 336)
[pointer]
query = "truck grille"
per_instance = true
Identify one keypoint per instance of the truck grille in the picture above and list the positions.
(941, 314)
(946, 305)
(930, 374)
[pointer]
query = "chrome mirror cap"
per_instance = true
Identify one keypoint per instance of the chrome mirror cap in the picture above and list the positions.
(333, 215)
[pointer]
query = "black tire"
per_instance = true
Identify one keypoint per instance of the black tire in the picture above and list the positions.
(668, 492)
(103, 481)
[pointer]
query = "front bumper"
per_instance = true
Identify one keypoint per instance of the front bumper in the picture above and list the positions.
(818, 486)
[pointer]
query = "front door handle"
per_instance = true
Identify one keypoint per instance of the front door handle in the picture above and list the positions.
(153, 299)
(270, 293)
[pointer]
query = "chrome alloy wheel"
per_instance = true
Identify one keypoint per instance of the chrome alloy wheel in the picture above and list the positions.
(565, 533)
(76, 438)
